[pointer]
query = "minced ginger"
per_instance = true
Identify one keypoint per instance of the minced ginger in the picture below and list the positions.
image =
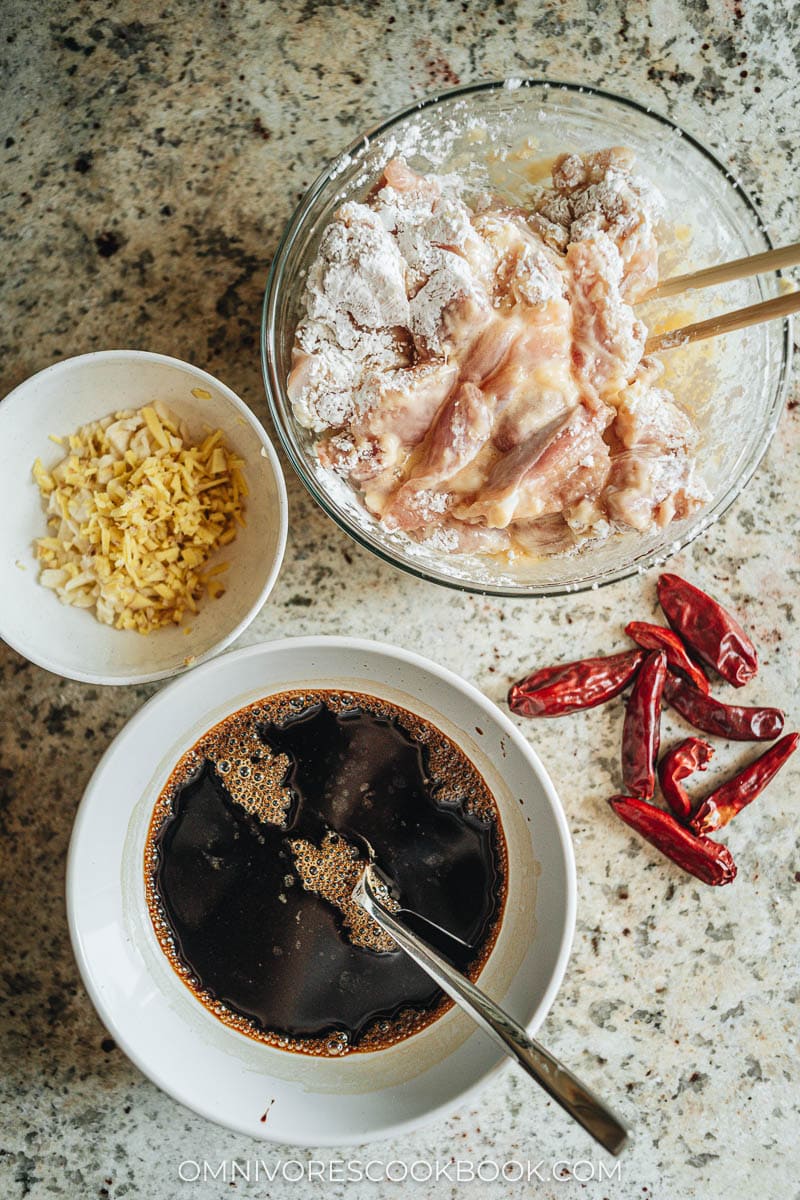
(136, 511)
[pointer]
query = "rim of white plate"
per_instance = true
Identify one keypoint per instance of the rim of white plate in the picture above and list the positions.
(162, 699)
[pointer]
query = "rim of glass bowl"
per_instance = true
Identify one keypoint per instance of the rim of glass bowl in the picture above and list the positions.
(275, 386)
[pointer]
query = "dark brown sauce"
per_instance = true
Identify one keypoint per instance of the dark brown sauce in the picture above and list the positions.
(228, 888)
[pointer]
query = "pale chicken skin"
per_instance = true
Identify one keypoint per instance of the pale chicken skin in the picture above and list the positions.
(477, 374)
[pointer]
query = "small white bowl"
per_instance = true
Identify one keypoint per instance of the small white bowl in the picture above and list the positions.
(71, 641)
(219, 1072)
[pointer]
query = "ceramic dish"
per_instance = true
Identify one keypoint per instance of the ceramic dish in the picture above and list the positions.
(734, 386)
(219, 1072)
(71, 641)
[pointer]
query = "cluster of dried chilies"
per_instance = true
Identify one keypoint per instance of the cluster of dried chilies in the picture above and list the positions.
(667, 668)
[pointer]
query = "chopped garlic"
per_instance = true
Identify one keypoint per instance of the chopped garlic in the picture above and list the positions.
(135, 511)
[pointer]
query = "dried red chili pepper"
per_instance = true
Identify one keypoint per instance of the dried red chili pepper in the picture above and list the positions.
(731, 797)
(708, 629)
(723, 720)
(556, 691)
(641, 730)
(693, 754)
(656, 637)
(700, 856)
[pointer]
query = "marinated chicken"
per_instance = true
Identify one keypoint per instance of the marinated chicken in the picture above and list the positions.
(476, 373)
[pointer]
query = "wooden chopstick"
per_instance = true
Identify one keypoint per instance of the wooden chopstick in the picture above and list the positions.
(754, 314)
(739, 268)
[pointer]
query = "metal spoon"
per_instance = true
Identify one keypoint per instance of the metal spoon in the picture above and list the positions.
(596, 1118)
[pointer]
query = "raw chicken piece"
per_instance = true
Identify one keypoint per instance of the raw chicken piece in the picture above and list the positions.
(608, 339)
(544, 536)
(534, 384)
(444, 257)
(379, 292)
(597, 193)
(647, 487)
(650, 415)
(652, 481)
(394, 411)
(400, 177)
(546, 472)
(483, 354)
(462, 427)
(572, 172)
(321, 387)
(515, 378)
(524, 270)
(363, 271)
(357, 305)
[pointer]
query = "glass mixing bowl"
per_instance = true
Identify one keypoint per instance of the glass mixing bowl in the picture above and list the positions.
(499, 135)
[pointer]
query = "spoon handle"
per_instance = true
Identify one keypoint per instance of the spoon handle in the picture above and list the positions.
(581, 1103)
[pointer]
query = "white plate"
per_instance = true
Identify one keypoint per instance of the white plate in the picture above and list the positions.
(219, 1072)
(71, 641)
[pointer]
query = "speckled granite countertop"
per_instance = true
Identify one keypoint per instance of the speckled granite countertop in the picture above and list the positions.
(152, 154)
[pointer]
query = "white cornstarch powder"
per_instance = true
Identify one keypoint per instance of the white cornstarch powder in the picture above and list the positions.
(464, 364)
(384, 271)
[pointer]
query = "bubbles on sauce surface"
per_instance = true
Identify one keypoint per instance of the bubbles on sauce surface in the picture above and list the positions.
(255, 846)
